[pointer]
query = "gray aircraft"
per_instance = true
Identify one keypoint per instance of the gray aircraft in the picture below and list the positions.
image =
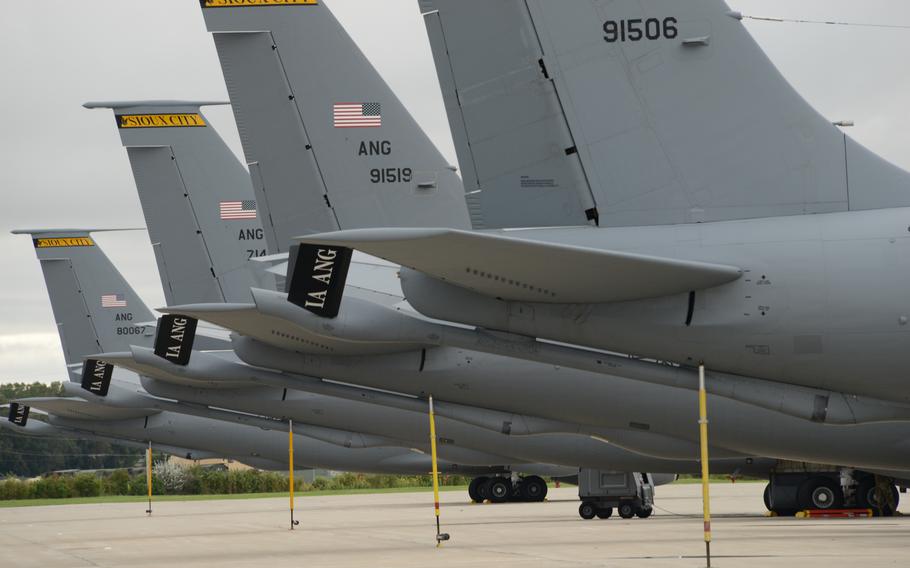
(18, 414)
(224, 382)
(758, 289)
(96, 310)
(682, 293)
(770, 298)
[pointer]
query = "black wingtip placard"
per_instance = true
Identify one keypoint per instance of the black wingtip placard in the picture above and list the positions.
(96, 376)
(174, 338)
(318, 278)
(18, 413)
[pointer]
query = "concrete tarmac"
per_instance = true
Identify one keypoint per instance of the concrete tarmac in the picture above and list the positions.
(397, 531)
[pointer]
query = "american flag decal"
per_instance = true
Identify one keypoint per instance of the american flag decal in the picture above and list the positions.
(231, 210)
(357, 115)
(113, 301)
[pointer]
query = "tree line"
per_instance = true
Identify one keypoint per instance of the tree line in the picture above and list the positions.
(29, 456)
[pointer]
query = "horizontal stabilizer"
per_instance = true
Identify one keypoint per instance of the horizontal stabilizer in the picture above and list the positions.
(362, 327)
(79, 409)
(204, 369)
(532, 271)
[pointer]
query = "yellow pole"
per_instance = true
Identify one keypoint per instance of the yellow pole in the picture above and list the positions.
(148, 475)
(440, 536)
(703, 435)
(291, 469)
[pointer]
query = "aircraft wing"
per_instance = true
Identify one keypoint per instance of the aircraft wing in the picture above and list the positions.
(84, 410)
(532, 271)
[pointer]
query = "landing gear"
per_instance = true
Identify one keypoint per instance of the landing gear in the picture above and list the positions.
(820, 493)
(882, 497)
(792, 491)
(501, 489)
(474, 489)
(532, 489)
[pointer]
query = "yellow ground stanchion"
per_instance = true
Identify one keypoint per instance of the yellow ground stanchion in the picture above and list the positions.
(291, 470)
(148, 475)
(703, 436)
(440, 536)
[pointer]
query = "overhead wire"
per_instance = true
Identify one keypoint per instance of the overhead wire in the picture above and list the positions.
(825, 22)
(55, 454)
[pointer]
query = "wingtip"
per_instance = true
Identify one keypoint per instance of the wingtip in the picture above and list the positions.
(380, 234)
(164, 103)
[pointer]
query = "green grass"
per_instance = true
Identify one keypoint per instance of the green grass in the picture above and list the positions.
(142, 499)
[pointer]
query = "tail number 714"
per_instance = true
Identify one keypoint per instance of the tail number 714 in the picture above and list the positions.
(638, 29)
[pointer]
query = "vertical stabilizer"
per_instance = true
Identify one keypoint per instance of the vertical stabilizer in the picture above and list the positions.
(95, 308)
(198, 202)
(516, 152)
(673, 111)
(328, 144)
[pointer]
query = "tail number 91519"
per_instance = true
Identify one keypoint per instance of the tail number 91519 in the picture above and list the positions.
(638, 29)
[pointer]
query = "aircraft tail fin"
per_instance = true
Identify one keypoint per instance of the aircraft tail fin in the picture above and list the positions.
(656, 112)
(511, 139)
(198, 202)
(95, 307)
(328, 143)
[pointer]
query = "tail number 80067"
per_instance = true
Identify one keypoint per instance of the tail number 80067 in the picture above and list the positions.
(638, 29)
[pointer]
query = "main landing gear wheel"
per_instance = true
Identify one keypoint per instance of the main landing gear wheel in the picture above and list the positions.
(866, 498)
(627, 510)
(587, 511)
(532, 488)
(820, 493)
(498, 489)
(644, 513)
(474, 489)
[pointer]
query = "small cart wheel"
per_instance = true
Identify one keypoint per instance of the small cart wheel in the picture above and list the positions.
(587, 511)
(605, 513)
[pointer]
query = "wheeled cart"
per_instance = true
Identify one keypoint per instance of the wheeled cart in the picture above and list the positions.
(631, 494)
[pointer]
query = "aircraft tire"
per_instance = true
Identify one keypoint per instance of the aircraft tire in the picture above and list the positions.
(474, 489)
(865, 498)
(532, 488)
(820, 493)
(498, 489)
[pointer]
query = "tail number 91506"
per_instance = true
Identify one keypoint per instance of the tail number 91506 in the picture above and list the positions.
(638, 29)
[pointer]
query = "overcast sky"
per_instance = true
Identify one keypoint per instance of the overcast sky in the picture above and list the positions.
(63, 166)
